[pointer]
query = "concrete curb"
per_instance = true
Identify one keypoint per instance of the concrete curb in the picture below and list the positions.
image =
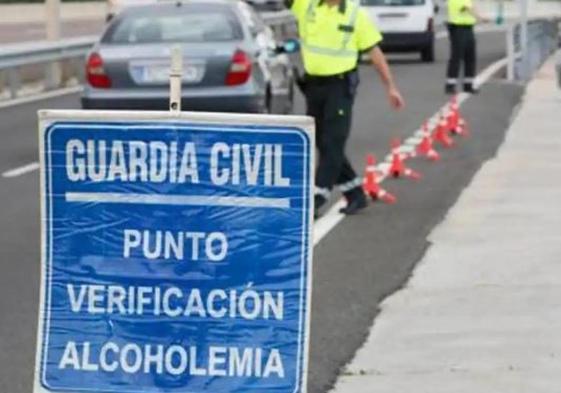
(481, 311)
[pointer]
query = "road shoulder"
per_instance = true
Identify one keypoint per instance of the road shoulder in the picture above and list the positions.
(481, 312)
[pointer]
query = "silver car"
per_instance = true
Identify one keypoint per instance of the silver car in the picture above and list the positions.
(231, 60)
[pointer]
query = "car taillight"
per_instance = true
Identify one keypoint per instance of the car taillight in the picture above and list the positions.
(95, 73)
(430, 26)
(240, 69)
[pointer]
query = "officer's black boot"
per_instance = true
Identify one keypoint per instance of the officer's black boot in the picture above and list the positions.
(450, 89)
(319, 203)
(470, 89)
(356, 201)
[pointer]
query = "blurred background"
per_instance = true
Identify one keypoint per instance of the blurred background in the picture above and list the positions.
(29, 64)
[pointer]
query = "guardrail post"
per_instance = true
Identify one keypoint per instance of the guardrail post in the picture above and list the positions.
(14, 82)
(510, 52)
(524, 37)
(2, 81)
(544, 41)
(53, 73)
(77, 66)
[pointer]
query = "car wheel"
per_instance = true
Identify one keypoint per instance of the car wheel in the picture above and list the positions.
(427, 54)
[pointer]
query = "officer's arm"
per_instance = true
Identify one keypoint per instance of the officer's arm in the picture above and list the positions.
(368, 38)
(381, 65)
(476, 14)
(480, 18)
(471, 9)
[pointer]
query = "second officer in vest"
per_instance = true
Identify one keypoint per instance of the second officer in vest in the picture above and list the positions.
(333, 34)
(462, 17)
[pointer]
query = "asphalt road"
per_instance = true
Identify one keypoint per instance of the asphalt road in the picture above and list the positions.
(360, 262)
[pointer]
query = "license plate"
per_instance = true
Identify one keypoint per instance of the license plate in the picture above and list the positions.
(153, 74)
(394, 15)
(160, 73)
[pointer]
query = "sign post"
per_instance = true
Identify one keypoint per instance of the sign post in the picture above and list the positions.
(176, 252)
(175, 79)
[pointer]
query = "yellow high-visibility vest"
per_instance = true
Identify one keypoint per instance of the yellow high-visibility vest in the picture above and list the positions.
(458, 15)
(333, 36)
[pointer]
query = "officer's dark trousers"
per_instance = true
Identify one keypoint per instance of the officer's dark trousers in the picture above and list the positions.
(462, 51)
(330, 104)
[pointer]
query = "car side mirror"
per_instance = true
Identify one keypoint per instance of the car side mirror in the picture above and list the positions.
(289, 46)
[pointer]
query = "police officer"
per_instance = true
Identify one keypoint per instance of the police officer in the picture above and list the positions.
(333, 34)
(462, 17)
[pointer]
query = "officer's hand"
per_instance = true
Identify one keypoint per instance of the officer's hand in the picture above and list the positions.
(395, 99)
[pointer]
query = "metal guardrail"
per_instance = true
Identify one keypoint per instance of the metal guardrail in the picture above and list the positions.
(15, 56)
(524, 59)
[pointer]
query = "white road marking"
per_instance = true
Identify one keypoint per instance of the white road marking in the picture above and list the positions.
(330, 220)
(22, 170)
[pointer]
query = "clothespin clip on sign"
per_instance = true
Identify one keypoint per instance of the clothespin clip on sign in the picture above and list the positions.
(175, 78)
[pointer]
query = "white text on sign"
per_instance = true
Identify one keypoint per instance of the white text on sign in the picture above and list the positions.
(174, 302)
(173, 245)
(161, 162)
(175, 360)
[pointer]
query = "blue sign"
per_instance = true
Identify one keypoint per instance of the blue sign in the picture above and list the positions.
(176, 256)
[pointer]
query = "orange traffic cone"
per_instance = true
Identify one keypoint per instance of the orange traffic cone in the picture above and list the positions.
(371, 184)
(426, 147)
(441, 133)
(456, 123)
(463, 128)
(398, 168)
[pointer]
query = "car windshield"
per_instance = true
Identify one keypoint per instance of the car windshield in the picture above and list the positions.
(390, 3)
(191, 25)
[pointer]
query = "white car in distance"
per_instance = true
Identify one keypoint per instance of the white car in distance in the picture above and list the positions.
(407, 25)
